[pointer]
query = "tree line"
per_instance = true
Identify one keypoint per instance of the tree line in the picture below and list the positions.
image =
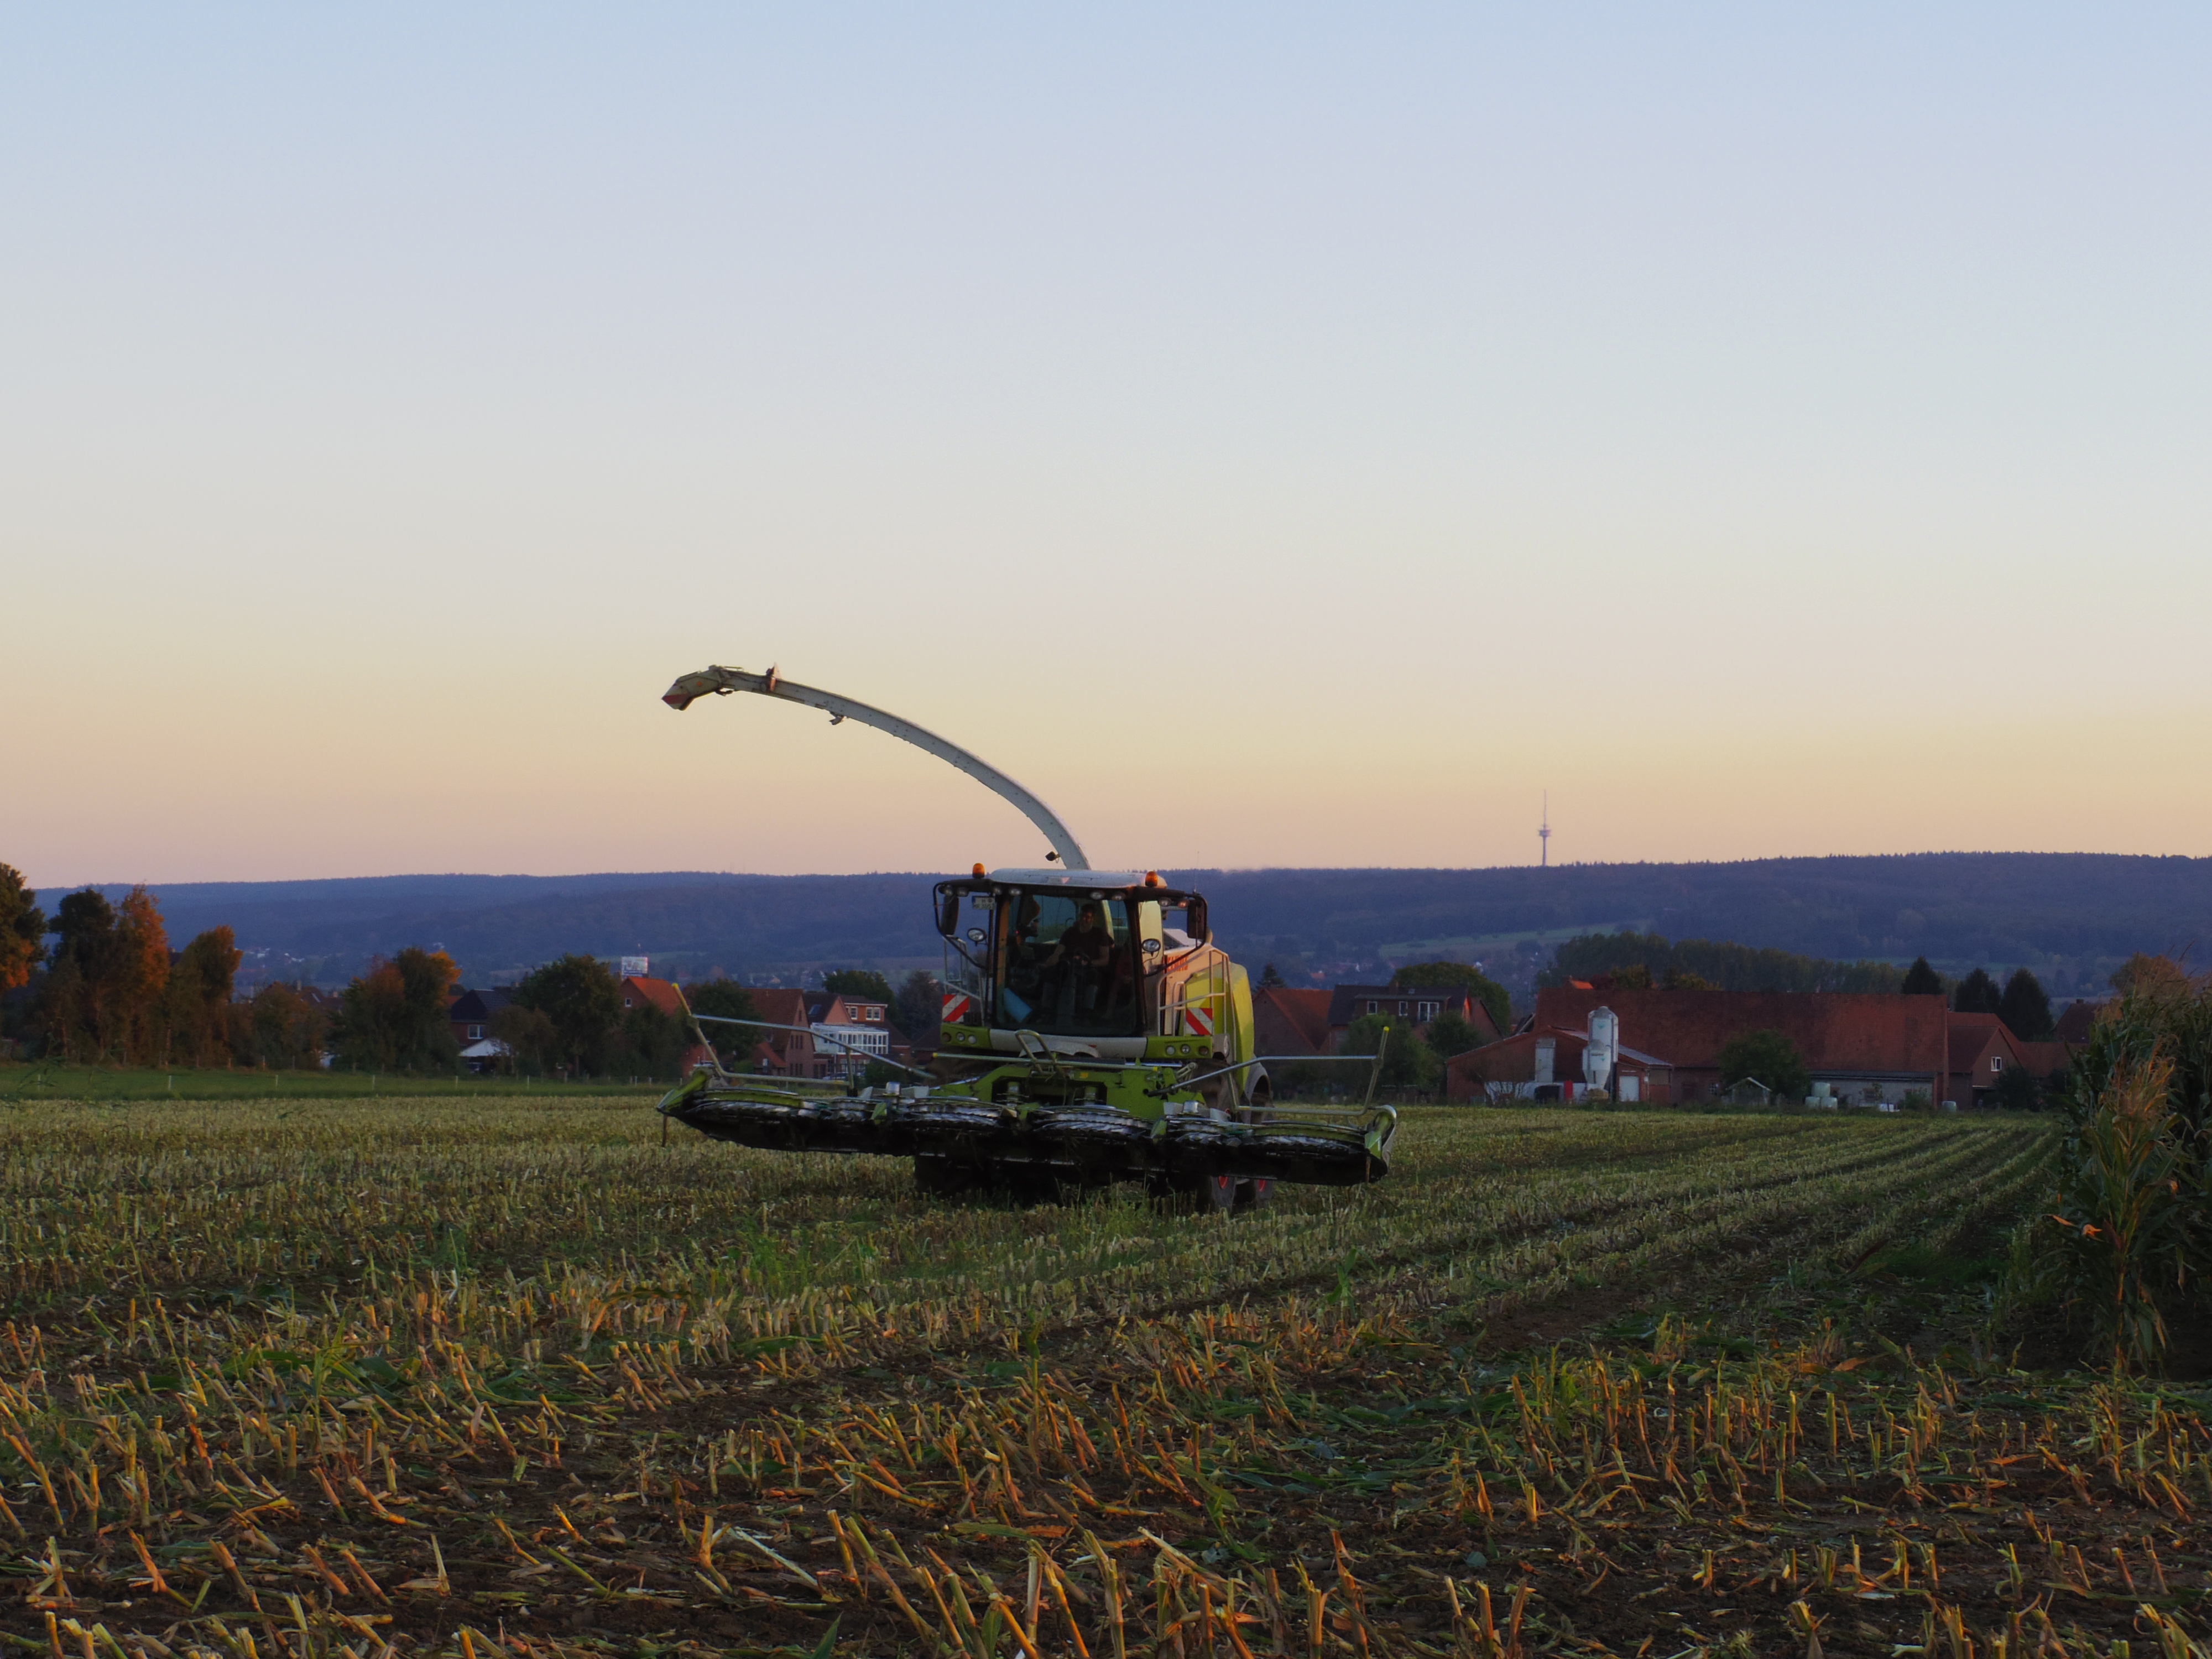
(1636, 961)
(111, 989)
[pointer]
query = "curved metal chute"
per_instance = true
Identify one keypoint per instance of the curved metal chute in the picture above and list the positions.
(721, 682)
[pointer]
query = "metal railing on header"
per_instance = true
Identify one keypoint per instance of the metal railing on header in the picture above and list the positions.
(1374, 1061)
(818, 1034)
(1374, 1072)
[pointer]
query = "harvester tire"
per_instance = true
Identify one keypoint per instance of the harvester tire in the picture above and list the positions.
(1254, 1192)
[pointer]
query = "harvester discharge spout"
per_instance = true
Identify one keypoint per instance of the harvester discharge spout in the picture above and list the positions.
(721, 682)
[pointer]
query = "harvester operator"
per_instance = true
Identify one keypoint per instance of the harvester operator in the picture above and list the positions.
(1080, 959)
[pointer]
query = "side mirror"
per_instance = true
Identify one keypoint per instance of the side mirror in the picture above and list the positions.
(948, 914)
(1194, 921)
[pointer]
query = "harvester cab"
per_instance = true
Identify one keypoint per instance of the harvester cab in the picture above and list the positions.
(1096, 965)
(1091, 1031)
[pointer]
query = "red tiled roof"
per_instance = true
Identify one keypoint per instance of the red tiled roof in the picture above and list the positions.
(784, 1007)
(1834, 1031)
(2042, 1058)
(1970, 1037)
(2075, 1024)
(1289, 1021)
(658, 991)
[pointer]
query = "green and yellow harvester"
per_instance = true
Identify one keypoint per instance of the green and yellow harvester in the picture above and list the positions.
(1092, 1032)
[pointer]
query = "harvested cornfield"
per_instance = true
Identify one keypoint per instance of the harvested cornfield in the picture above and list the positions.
(433, 1376)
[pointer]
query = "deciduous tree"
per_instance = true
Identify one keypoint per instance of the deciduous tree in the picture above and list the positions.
(1726, 966)
(581, 995)
(195, 1001)
(725, 998)
(392, 1017)
(142, 972)
(532, 1041)
(863, 983)
(654, 1041)
(1453, 1034)
(2156, 975)
(1407, 1063)
(1767, 1057)
(23, 930)
(282, 1028)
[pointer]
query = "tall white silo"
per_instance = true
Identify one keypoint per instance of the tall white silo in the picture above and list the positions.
(1603, 1049)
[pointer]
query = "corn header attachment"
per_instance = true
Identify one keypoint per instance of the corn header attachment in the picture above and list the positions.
(1091, 1032)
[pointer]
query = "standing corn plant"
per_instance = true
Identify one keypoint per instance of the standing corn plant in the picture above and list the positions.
(2127, 1216)
(2132, 1239)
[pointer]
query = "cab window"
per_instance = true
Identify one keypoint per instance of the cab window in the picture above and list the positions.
(1065, 964)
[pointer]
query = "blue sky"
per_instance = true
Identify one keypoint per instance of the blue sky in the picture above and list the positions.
(1279, 436)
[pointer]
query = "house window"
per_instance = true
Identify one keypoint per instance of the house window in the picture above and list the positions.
(1428, 1011)
(1374, 1007)
(1401, 1008)
(875, 1013)
(1996, 1062)
(476, 1033)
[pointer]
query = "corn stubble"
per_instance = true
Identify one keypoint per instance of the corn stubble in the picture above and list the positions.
(426, 1377)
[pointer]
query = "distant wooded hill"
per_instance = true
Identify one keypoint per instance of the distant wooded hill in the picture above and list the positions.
(2071, 916)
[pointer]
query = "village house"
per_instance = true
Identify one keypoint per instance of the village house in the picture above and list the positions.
(1981, 1048)
(838, 1033)
(470, 1013)
(1286, 1020)
(1412, 1009)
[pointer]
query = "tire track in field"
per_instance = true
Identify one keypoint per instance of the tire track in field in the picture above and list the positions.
(1919, 1160)
(1807, 1227)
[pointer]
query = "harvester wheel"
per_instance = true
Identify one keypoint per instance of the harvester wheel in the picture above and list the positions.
(1256, 1190)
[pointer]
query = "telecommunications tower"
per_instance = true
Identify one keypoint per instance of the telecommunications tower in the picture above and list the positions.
(1544, 835)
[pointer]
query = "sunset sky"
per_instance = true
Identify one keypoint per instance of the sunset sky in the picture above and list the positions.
(1279, 436)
